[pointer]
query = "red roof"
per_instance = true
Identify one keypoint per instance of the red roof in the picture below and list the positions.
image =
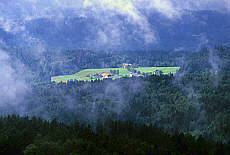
(105, 74)
(127, 64)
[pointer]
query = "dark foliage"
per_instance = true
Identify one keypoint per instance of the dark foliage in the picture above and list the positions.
(21, 135)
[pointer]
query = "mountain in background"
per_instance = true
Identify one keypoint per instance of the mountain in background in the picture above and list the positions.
(191, 31)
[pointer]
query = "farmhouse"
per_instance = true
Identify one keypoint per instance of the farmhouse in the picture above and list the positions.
(126, 65)
(106, 75)
(134, 74)
(131, 74)
(150, 72)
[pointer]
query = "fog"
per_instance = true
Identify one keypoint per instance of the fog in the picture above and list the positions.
(13, 87)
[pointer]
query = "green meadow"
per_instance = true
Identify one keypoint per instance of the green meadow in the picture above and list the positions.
(165, 70)
(88, 74)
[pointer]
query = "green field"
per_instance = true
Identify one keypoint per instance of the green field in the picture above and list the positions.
(88, 74)
(81, 76)
(165, 70)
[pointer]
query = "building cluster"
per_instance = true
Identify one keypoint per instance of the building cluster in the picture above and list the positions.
(125, 65)
(135, 73)
(156, 72)
(106, 75)
(131, 74)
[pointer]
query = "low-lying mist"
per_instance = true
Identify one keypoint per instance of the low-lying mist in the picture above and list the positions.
(13, 86)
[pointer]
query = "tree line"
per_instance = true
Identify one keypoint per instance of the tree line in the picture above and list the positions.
(24, 135)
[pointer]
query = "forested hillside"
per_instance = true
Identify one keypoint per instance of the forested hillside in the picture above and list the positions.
(205, 77)
(21, 135)
(196, 100)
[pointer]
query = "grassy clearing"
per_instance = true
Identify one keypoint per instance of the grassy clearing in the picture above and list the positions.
(88, 74)
(165, 70)
(91, 72)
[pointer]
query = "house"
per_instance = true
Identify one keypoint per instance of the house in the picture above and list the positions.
(134, 74)
(131, 74)
(106, 75)
(126, 65)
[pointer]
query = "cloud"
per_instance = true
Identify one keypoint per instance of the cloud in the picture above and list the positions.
(12, 85)
(217, 5)
(11, 26)
(102, 10)
(164, 7)
(125, 8)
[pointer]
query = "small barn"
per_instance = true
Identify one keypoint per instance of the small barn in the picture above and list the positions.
(125, 65)
(106, 75)
(131, 74)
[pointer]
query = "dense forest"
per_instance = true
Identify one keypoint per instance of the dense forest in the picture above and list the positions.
(21, 135)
